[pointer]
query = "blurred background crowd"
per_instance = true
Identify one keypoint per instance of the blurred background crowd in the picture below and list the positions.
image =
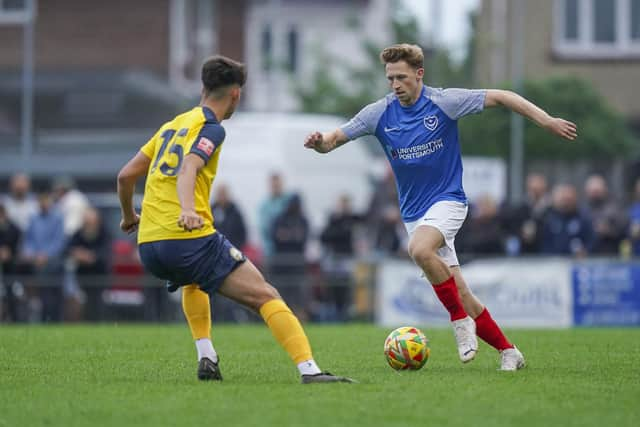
(83, 84)
(57, 248)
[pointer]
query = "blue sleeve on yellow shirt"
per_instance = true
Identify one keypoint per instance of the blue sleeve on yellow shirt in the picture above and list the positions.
(208, 140)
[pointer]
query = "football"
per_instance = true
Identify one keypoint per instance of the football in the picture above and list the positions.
(406, 348)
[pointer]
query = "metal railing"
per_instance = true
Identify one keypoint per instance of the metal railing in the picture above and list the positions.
(313, 292)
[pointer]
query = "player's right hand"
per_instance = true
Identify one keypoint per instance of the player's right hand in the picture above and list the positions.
(130, 225)
(314, 141)
(562, 128)
(189, 220)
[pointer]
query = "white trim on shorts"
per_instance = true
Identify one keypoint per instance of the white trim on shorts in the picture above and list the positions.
(447, 216)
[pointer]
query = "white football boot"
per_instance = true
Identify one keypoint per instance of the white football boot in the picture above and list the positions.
(511, 359)
(465, 333)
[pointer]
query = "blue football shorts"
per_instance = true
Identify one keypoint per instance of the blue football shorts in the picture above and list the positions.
(205, 261)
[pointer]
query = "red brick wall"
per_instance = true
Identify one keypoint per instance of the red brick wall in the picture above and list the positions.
(231, 30)
(94, 34)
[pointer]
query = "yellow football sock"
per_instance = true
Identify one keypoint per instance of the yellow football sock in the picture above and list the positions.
(286, 329)
(195, 304)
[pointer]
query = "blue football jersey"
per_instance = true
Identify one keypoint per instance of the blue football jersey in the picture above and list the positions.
(421, 143)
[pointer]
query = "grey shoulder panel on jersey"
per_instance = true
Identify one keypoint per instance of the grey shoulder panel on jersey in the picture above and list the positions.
(457, 103)
(366, 121)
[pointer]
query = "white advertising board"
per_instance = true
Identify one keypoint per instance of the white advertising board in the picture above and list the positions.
(518, 292)
(484, 176)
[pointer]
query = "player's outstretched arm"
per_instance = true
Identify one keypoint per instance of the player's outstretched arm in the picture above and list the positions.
(325, 142)
(189, 219)
(136, 168)
(520, 105)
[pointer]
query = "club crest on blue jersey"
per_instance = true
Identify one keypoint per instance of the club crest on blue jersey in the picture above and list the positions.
(431, 122)
(392, 152)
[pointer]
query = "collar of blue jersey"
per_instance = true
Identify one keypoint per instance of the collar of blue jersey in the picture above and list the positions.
(415, 104)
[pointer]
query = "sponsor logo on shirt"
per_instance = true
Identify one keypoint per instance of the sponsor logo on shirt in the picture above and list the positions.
(391, 129)
(431, 122)
(416, 151)
(205, 145)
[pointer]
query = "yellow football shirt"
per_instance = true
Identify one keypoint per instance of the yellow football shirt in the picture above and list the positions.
(196, 131)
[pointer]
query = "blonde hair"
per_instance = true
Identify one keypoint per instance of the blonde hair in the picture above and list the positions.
(410, 53)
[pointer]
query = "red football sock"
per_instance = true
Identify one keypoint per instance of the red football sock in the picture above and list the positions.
(448, 295)
(490, 332)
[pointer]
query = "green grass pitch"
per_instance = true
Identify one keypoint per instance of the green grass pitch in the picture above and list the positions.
(131, 375)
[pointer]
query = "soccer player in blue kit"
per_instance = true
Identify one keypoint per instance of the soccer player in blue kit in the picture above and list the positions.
(417, 127)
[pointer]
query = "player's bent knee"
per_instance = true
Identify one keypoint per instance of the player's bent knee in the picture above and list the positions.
(270, 292)
(265, 294)
(422, 255)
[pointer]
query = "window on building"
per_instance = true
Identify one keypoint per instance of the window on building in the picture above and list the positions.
(192, 37)
(14, 11)
(604, 21)
(266, 47)
(292, 50)
(597, 29)
(15, 5)
(571, 20)
(635, 20)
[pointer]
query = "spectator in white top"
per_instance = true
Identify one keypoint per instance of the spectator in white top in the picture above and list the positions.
(20, 204)
(72, 203)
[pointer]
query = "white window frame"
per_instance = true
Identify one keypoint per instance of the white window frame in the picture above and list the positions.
(584, 47)
(180, 52)
(16, 17)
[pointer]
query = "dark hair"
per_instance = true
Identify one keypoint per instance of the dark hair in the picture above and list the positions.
(219, 72)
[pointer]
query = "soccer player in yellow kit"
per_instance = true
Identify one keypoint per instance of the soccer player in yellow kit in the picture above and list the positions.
(176, 235)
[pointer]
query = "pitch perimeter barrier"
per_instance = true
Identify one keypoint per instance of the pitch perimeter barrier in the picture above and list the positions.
(521, 292)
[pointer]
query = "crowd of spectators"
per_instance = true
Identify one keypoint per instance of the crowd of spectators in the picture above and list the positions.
(551, 222)
(49, 237)
(562, 220)
(56, 233)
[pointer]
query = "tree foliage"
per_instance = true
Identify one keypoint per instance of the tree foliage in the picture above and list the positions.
(602, 131)
(336, 87)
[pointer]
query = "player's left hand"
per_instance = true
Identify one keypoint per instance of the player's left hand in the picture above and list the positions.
(130, 225)
(562, 128)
